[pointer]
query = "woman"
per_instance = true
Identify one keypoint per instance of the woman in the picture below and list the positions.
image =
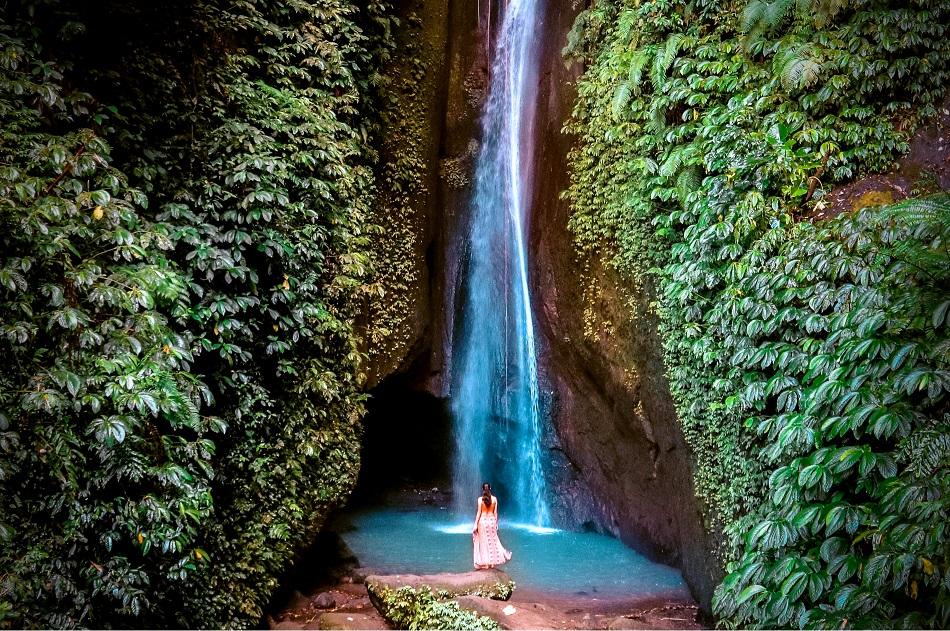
(488, 549)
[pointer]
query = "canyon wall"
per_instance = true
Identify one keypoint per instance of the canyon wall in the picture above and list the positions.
(613, 412)
(408, 204)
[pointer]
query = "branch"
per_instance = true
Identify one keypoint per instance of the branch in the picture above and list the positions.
(69, 167)
(814, 180)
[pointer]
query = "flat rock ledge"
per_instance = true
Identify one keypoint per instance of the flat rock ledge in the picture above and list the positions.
(487, 584)
(493, 584)
(520, 616)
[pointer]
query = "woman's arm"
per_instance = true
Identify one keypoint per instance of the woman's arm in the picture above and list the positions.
(478, 514)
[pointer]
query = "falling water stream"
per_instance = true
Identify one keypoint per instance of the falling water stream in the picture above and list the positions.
(496, 407)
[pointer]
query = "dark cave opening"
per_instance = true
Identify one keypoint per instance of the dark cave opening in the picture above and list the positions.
(407, 442)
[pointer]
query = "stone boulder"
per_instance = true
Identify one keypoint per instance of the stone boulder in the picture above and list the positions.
(493, 584)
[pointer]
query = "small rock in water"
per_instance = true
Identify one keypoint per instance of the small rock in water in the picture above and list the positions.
(324, 601)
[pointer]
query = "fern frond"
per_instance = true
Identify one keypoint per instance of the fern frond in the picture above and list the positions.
(656, 124)
(686, 182)
(664, 59)
(752, 15)
(576, 38)
(928, 450)
(797, 66)
(775, 12)
(824, 10)
(931, 213)
(923, 257)
(640, 61)
(672, 164)
(760, 15)
(941, 351)
(621, 98)
(625, 25)
(917, 232)
(631, 86)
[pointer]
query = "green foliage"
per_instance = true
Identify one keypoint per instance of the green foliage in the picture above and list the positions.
(103, 445)
(852, 400)
(407, 608)
(498, 591)
(413, 74)
(762, 16)
(808, 364)
(179, 409)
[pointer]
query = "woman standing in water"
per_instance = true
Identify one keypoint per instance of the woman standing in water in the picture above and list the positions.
(488, 549)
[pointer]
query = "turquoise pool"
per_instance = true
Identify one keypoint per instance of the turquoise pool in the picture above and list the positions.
(430, 540)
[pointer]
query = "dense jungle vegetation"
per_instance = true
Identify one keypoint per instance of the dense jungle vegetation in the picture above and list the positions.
(190, 202)
(184, 221)
(809, 359)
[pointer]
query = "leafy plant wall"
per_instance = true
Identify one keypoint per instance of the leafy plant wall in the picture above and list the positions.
(185, 193)
(808, 359)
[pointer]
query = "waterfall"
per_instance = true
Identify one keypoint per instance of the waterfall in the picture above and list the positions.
(495, 398)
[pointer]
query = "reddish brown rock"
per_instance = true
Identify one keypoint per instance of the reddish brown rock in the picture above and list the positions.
(346, 621)
(510, 616)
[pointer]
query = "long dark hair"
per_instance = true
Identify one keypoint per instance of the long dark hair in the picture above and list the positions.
(487, 500)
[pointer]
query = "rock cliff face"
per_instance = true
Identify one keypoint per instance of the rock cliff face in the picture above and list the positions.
(408, 203)
(613, 412)
(618, 460)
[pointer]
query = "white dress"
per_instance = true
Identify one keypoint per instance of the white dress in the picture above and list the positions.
(488, 548)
